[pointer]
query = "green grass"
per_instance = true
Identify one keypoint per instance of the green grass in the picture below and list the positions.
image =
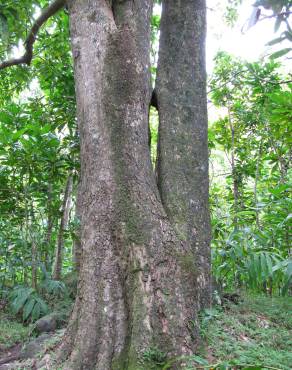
(11, 332)
(257, 332)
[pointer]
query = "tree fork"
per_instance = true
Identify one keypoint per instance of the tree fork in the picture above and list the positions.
(126, 302)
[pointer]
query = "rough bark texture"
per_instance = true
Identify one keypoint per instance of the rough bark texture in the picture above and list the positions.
(137, 282)
(182, 149)
(76, 250)
(57, 270)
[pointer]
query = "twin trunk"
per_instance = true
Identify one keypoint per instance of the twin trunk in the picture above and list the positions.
(145, 250)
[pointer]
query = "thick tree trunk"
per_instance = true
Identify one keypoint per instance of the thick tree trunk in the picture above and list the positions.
(57, 269)
(182, 148)
(137, 283)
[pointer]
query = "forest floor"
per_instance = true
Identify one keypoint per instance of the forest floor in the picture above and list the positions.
(255, 334)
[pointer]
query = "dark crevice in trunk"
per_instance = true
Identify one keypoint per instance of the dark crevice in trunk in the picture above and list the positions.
(154, 100)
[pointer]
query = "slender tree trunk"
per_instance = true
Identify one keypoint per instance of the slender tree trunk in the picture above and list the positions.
(50, 225)
(33, 264)
(63, 226)
(257, 173)
(182, 149)
(34, 249)
(29, 234)
(233, 170)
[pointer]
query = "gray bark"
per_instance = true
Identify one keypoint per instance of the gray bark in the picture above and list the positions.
(77, 251)
(138, 280)
(182, 149)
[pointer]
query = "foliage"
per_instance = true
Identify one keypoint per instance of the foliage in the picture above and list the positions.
(251, 146)
(11, 331)
(26, 301)
(154, 358)
(53, 287)
(281, 10)
(153, 123)
(38, 146)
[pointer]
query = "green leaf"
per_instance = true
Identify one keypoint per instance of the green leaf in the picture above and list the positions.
(289, 269)
(43, 306)
(4, 33)
(28, 307)
(269, 264)
(199, 360)
(275, 41)
(264, 267)
(36, 312)
(21, 296)
(280, 265)
(280, 53)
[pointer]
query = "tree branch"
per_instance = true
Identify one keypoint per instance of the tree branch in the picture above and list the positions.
(45, 15)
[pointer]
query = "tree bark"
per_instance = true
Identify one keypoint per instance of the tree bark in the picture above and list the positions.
(137, 281)
(57, 270)
(50, 226)
(77, 251)
(182, 148)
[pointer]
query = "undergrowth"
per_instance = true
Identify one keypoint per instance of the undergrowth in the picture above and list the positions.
(11, 332)
(255, 333)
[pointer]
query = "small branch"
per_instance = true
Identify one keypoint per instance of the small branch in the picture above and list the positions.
(45, 15)
(280, 82)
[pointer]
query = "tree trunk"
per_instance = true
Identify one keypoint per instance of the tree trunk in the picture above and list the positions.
(257, 174)
(33, 264)
(63, 226)
(137, 283)
(50, 225)
(77, 251)
(233, 170)
(182, 148)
